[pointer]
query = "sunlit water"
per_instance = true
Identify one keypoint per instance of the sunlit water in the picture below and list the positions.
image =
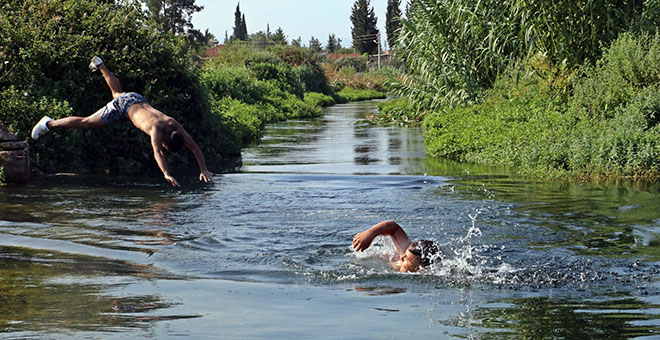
(264, 253)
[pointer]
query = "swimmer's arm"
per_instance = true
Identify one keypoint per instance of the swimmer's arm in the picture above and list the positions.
(159, 155)
(362, 241)
(205, 175)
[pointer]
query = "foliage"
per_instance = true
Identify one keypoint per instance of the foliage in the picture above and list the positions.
(364, 28)
(253, 88)
(315, 45)
(334, 43)
(393, 22)
(174, 16)
(398, 111)
(358, 64)
(454, 50)
(531, 119)
(240, 26)
(631, 63)
(349, 77)
(319, 99)
(349, 94)
(45, 47)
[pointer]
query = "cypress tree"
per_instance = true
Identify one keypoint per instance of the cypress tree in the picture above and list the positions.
(244, 31)
(364, 30)
(238, 24)
(393, 21)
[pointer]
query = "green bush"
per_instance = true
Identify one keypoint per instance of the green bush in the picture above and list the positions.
(349, 94)
(454, 50)
(532, 120)
(630, 64)
(319, 99)
(398, 111)
(358, 64)
(232, 82)
(280, 74)
(313, 79)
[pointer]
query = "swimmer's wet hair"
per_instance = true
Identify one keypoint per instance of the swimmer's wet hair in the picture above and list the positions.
(426, 251)
(174, 141)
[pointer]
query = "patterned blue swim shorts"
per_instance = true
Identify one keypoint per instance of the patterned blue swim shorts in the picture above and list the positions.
(117, 109)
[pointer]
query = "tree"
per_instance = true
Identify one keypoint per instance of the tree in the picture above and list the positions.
(364, 31)
(296, 42)
(333, 43)
(393, 22)
(240, 27)
(259, 40)
(174, 16)
(278, 38)
(315, 45)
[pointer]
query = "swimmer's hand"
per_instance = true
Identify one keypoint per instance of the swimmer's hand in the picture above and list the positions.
(206, 176)
(172, 181)
(362, 241)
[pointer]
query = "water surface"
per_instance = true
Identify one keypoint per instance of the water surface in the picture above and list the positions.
(264, 252)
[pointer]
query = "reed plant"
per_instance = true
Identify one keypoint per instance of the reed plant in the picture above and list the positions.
(453, 50)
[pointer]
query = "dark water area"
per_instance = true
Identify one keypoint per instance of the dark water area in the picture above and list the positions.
(264, 253)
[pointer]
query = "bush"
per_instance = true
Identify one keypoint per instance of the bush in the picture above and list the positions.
(532, 121)
(349, 94)
(319, 99)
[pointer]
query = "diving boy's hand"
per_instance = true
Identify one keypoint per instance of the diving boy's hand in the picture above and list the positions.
(172, 181)
(206, 176)
(362, 241)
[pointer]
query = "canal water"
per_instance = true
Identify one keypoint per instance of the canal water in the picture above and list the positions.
(264, 253)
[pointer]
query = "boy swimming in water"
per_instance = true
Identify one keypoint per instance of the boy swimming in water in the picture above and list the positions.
(412, 255)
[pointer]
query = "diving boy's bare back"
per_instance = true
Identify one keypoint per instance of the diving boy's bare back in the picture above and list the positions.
(164, 131)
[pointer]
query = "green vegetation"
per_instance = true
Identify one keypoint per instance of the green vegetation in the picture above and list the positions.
(555, 88)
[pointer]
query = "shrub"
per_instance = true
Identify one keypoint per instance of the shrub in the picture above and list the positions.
(531, 119)
(319, 99)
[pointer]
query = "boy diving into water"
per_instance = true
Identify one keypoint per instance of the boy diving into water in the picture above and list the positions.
(412, 255)
(165, 132)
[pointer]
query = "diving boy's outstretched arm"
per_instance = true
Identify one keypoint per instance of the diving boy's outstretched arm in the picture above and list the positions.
(362, 241)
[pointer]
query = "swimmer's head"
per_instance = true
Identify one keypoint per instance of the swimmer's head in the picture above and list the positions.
(173, 141)
(419, 254)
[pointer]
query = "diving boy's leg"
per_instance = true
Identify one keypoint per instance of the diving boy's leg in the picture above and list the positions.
(46, 124)
(110, 78)
(74, 122)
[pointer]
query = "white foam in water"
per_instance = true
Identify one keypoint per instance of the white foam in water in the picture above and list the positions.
(464, 264)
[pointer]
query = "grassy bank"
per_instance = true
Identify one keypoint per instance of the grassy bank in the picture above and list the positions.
(553, 122)
(556, 89)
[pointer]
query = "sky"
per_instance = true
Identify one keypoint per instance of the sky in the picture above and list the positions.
(297, 18)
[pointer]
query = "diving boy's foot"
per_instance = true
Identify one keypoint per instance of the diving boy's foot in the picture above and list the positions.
(94, 64)
(41, 128)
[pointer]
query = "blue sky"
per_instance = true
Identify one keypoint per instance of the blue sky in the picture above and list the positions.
(298, 18)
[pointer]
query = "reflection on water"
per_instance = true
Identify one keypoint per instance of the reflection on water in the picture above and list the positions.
(45, 290)
(264, 253)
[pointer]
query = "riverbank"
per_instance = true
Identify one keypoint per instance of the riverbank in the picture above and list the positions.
(554, 122)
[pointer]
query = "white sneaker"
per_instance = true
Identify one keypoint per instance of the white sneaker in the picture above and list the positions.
(94, 64)
(41, 128)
